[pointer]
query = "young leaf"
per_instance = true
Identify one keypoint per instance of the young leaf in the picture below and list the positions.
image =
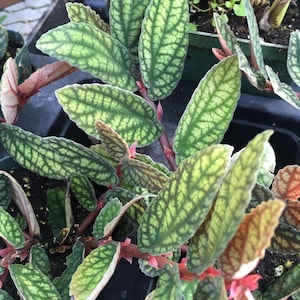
(57, 210)
(109, 212)
(233, 197)
(83, 191)
(291, 214)
(254, 37)
(293, 57)
(210, 109)
(285, 285)
(250, 241)
(10, 230)
(126, 113)
(42, 77)
(286, 239)
(5, 191)
(168, 285)
(286, 184)
(95, 271)
(141, 174)
(23, 204)
(112, 141)
(162, 52)
(282, 89)
(73, 261)
(78, 12)
(40, 259)
(32, 283)
(211, 288)
(126, 21)
(226, 37)
(90, 49)
(183, 204)
(55, 157)
(10, 99)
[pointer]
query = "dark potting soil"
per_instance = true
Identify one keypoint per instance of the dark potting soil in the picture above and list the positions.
(238, 25)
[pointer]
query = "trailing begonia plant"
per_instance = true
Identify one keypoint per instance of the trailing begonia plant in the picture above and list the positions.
(202, 224)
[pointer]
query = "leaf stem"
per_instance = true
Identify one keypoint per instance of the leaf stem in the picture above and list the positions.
(91, 216)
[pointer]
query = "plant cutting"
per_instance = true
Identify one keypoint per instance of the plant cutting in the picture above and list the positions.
(202, 224)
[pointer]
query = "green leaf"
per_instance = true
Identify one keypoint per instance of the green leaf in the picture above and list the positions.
(210, 110)
(148, 160)
(211, 288)
(40, 259)
(5, 296)
(265, 175)
(73, 261)
(5, 191)
(126, 20)
(260, 193)
(239, 9)
(183, 204)
(3, 41)
(255, 77)
(84, 191)
(95, 271)
(109, 212)
(282, 89)
(168, 285)
(285, 285)
(225, 34)
(188, 289)
(90, 49)
(57, 211)
(141, 174)
(254, 36)
(250, 241)
(10, 230)
(78, 12)
(293, 57)
(32, 283)
(55, 157)
(113, 143)
(286, 239)
(162, 52)
(233, 197)
(126, 113)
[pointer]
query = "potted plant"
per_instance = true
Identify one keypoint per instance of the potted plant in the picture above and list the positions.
(273, 41)
(197, 222)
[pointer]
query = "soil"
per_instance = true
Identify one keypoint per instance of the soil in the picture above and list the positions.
(280, 35)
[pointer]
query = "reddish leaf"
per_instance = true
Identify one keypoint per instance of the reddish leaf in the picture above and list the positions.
(286, 183)
(291, 214)
(42, 77)
(9, 92)
(251, 239)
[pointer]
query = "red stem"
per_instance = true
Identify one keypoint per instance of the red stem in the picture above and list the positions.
(163, 140)
(91, 216)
